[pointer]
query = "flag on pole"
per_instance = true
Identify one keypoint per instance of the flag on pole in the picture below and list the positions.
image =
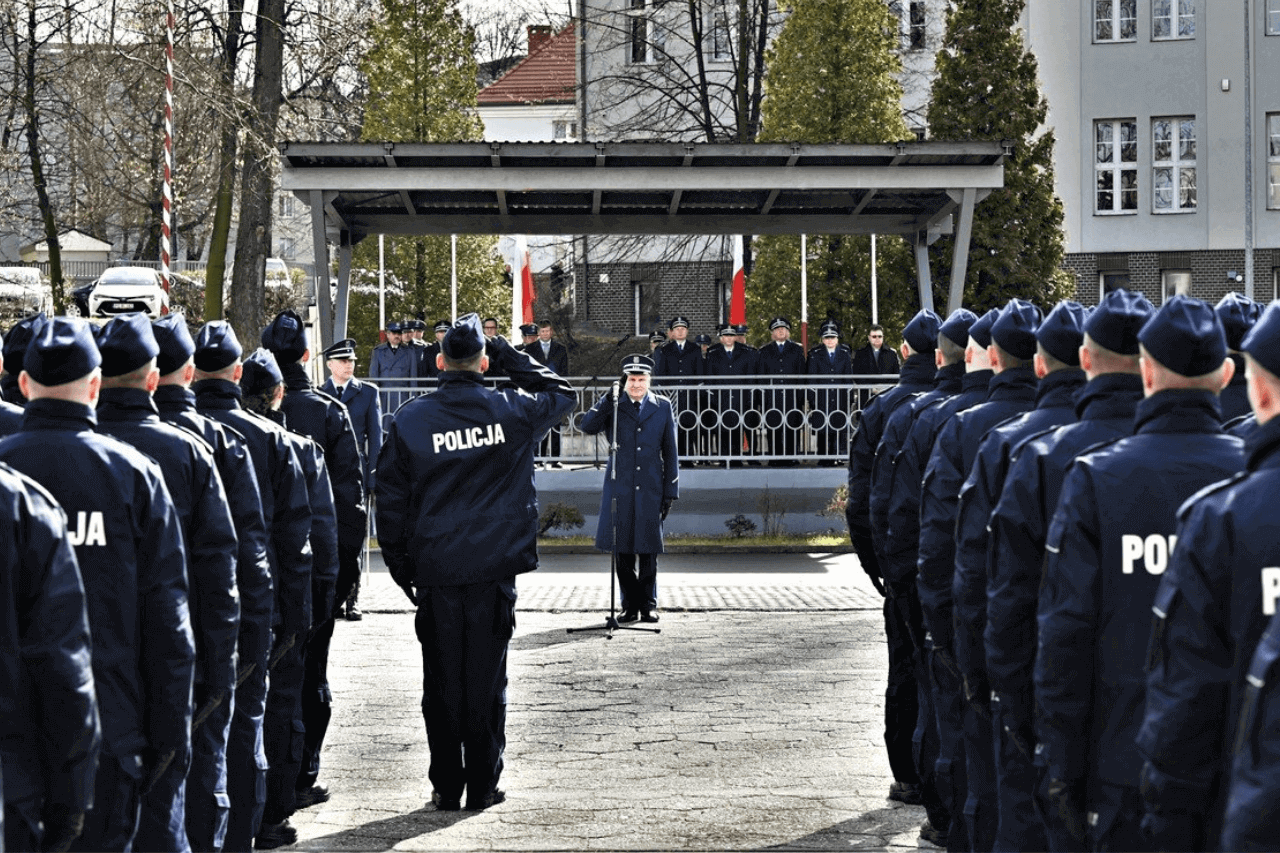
(523, 279)
(738, 299)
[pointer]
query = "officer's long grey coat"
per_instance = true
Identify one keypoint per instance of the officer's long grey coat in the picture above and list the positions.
(648, 471)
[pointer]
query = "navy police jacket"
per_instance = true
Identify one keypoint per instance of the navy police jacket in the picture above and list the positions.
(915, 377)
(1054, 406)
(128, 543)
(456, 502)
(785, 360)
(1020, 522)
(1010, 392)
(286, 504)
(365, 411)
(177, 405)
(901, 535)
(648, 471)
(1234, 399)
(49, 730)
(672, 360)
(189, 471)
(1108, 544)
(947, 383)
(1254, 787)
(400, 362)
(325, 421)
(318, 599)
(1211, 608)
(10, 418)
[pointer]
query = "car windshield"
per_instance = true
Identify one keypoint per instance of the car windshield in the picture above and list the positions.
(124, 275)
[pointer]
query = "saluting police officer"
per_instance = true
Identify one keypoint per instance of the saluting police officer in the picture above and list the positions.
(254, 584)
(127, 412)
(1018, 526)
(455, 470)
(1108, 544)
(647, 482)
(50, 736)
(1212, 606)
(286, 504)
(128, 540)
(365, 411)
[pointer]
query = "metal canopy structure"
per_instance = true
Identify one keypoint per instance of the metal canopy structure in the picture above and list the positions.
(919, 190)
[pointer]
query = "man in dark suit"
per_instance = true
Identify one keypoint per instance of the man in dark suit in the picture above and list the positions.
(365, 411)
(783, 360)
(875, 358)
(553, 354)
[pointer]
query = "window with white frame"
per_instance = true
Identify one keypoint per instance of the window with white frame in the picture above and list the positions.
(648, 306)
(1173, 19)
(1273, 161)
(1175, 282)
(720, 30)
(1273, 17)
(1116, 166)
(563, 129)
(916, 26)
(1173, 165)
(645, 37)
(1115, 20)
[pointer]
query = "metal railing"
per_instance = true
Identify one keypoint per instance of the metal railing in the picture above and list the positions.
(788, 419)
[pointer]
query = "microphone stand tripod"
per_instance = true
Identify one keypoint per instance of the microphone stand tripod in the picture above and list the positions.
(611, 621)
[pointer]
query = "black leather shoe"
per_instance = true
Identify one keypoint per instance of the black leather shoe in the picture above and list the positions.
(931, 837)
(353, 612)
(905, 792)
(649, 616)
(490, 799)
(443, 805)
(274, 835)
(627, 616)
(312, 796)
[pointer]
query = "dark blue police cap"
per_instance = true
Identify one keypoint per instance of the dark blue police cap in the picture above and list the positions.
(700, 340)
(176, 346)
(61, 350)
(1115, 323)
(441, 326)
(126, 343)
(217, 346)
(1062, 332)
(727, 329)
(1263, 341)
(529, 330)
(922, 332)
(395, 326)
(980, 331)
(637, 363)
(678, 320)
(1014, 330)
(1186, 336)
(1238, 313)
(779, 323)
(956, 327)
(261, 371)
(830, 330)
(285, 336)
(342, 349)
(17, 341)
(657, 335)
(740, 329)
(464, 340)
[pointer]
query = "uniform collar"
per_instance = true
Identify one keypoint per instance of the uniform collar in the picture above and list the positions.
(126, 404)
(1263, 446)
(460, 377)
(1179, 411)
(217, 394)
(295, 376)
(57, 414)
(919, 370)
(175, 398)
(950, 378)
(1110, 395)
(976, 379)
(1059, 389)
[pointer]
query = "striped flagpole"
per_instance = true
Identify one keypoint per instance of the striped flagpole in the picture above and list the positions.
(166, 223)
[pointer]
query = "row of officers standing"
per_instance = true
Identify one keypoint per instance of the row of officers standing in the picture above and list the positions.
(1071, 517)
(184, 520)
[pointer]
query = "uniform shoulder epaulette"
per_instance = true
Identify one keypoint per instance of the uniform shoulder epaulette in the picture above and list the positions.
(663, 397)
(1213, 488)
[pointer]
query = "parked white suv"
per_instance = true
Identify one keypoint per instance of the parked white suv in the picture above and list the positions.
(121, 290)
(23, 291)
(278, 273)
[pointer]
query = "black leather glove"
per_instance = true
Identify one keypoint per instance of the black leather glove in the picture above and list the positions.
(62, 826)
(666, 507)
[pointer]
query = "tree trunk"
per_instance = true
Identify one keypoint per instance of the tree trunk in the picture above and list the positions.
(253, 237)
(216, 271)
(37, 163)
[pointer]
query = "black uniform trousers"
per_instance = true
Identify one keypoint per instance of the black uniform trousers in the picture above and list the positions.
(949, 770)
(901, 704)
(284, 733)
(639, 591)
(206, 795)
(924, 737)
(464, 632)
(112, 823)
(1017, 779)
(246, 764)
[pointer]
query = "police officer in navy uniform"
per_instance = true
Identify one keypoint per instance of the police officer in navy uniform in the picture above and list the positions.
(1018, 527)
(737, 364)
(647, 482)
(1057, 365)
(1254, 782)
(827, 366)
(260, 810)
(1212, 606)
(10, 413)
(455, 472)
(127, 411)
(128, 542)
(1011, 391)
(528, 335)
(15, 347)
(784, 360)
(1238, 313)
(365, 411)
(677, 363)
(177, 405)
(395, 360)
(50, 736)
(1107, 546)
(427, 352)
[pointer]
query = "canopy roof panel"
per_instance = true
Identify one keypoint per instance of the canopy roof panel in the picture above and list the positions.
(638, 187)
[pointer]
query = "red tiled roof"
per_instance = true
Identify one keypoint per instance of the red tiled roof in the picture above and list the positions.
(546, 76)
